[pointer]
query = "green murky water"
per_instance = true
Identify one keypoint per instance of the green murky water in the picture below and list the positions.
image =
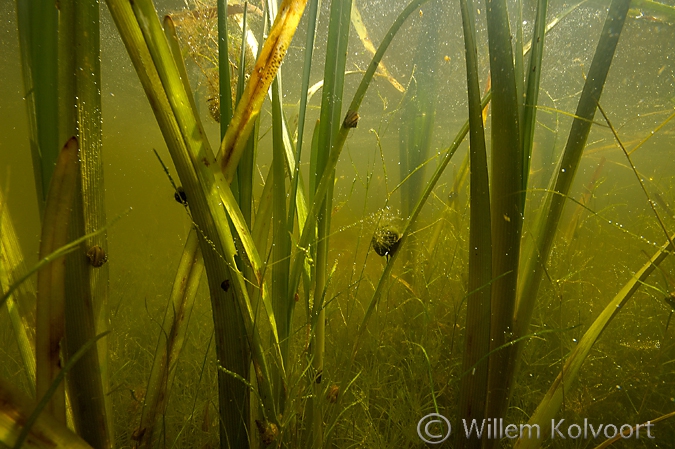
(411, 353)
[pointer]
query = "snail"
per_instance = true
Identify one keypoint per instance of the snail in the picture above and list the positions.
(333, 393)
(96, 256)
(385, 241)
(268, 431)
(180, 195)
(351, 119)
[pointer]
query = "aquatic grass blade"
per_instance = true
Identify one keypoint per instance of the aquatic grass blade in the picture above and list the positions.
(246, 167)
(506, 205)
(241, 79)
(47, 432)
(174, 45)
(263, 217)
(58, 253)
(533, 77)
(23, 13)
(22, 331)
(620, 435)
(312, 21)
(545, 228)
(281, 242)
(225, 195)
(241, 221)
(536, 253)
(225, 92)
(652, 204)
(657, 10)
(410, 223)
(236, 213)
(86, 306)
(299, 198)
(272, 53)
(197, 169)
(188, 119)
(50, 316)
(38, 26)
(21, 304)
(418, 115)
(322, 187)
(518, 60)
(333, 83)
(473, 393)
(171, 340)
(329, 123)
(552, 401)
(652, 133)
(55, 385)
(19, 278)
(246, 239)
(360, 28)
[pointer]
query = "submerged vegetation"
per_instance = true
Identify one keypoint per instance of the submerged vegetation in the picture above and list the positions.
(524, 238)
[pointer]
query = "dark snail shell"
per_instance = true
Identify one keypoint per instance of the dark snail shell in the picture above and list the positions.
(385, 241)
(351, 119)
(268, 431)
(96, 256)
(180, 195)
(333, 393)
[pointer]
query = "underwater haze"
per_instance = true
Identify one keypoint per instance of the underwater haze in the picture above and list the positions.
(453, 271)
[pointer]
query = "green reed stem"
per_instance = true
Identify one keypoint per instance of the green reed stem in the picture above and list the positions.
(195, 164)
(473, 395)
(171, 340)
(537, 253)
(236, 214)
(246, 167)
(326, 179)
(547, 223)
(87, 286)
(312, 20)
(38, 27)
(241, 78)
(50, 310)
(329, 124)
(281, 246)
(533, 74)
(505, 196)
(263, 215)
(225, 95)
(23, 9)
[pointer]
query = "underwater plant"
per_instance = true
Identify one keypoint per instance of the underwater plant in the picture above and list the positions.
(474, 308)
